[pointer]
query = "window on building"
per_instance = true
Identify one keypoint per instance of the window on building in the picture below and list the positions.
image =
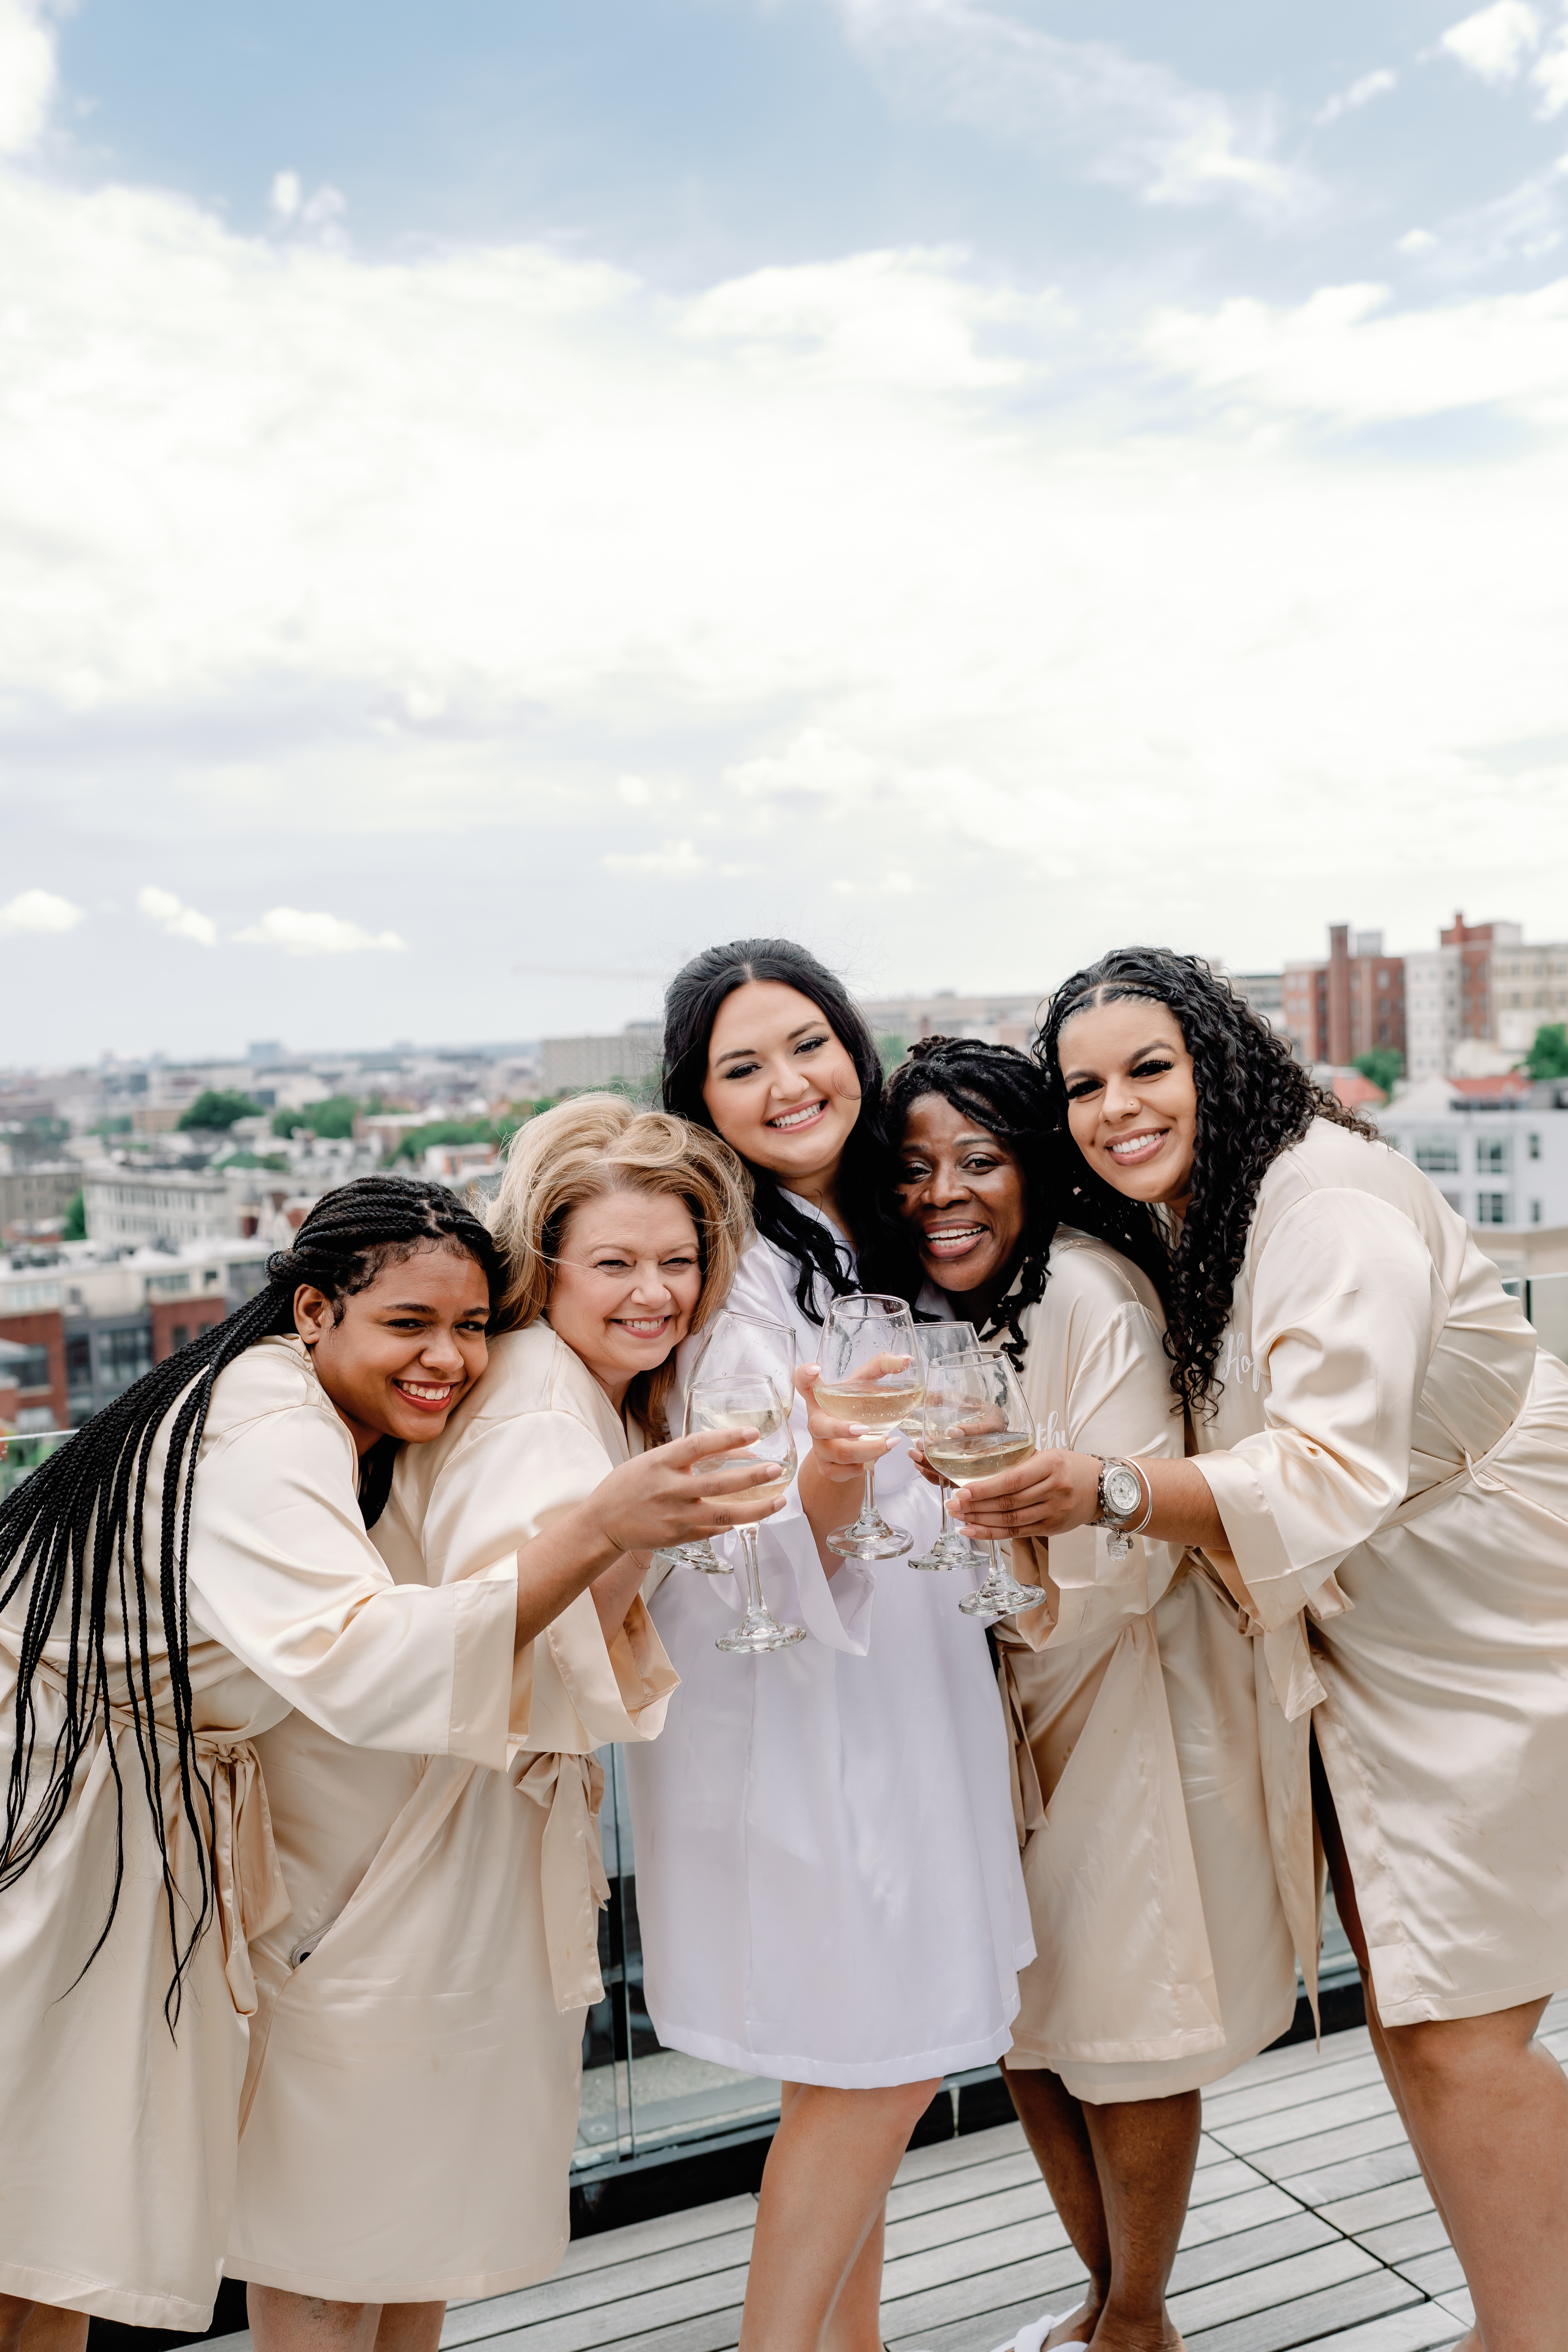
(1535, 1212)
(1491, 1208)
(180, 1336)
(1492, 1154)
(31, 1369)
(123, 1356)
(1438, 1154)
(1535, 1147)
(79, 1362)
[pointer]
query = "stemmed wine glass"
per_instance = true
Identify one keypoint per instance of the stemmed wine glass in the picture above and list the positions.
(871, 1373)
(939, 1343)
(727, 1403)
(745, 1347)
(977, 1424)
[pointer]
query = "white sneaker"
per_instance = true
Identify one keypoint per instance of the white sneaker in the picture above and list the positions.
(1031, 2338)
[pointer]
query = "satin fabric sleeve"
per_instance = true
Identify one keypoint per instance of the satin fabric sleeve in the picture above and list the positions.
(1346, 1306)
(509, 1479)
(283, 1573)
(835, 1609)
(1111, 1395)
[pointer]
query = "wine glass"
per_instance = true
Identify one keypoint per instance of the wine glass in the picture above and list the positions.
(938, 1344)
(871, 1373)
(743, 1347)
(726, 1403)
(977, 1424)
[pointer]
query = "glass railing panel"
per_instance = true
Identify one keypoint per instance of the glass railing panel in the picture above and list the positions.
(22, 1451)
(1546, 1304)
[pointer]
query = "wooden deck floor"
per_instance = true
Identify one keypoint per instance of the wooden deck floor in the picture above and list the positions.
(1310, 2225)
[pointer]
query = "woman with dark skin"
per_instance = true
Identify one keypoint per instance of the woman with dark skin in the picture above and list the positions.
(1382, 1481)
(1164, 1955)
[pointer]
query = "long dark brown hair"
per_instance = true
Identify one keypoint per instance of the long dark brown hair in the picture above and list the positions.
(1255, 1100)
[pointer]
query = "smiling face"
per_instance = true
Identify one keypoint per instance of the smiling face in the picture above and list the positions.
(405, 1348)
(780, 1090)
(963, 1190)
(627, 1279)
(1133, 1102)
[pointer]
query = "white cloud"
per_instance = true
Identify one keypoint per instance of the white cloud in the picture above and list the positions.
(1549, 76)
(180, 921)
(1128, 123)
(26, 74)
(287, 195)
(1360, 93)
(1495, 42)
(673, 861)
(895, 884)
(1344, 354)
(39, 910)
(303, 934)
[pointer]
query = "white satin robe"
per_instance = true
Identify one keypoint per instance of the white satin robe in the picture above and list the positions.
(450, 1915)
(1390, 1461)
(117, 2162)
(1165, 1958)
(827, 1871)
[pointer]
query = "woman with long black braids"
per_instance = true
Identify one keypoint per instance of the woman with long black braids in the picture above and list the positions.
(1163, 1955)
(194, 1563)
(827, 1876)
(1382, 1481)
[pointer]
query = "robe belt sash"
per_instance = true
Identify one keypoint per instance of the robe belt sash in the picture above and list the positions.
(570, 1788)
(1292, 1677)
(249, 1888)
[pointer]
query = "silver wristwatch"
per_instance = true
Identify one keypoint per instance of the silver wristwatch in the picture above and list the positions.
(1121, 1499)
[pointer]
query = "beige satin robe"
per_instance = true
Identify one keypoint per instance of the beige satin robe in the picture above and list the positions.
(1390, 1461)
(117, 2160)
(1163, 1955)
(412, 2097)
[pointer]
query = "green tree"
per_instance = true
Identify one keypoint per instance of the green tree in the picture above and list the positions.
(74, 1226)
(216, 1108)
(1548, 1058)
(891, 1051)
(1381, 1064)
(412, 1142)
(333, 1119)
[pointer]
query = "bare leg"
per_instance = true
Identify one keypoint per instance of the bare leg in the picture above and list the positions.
(1487, 2111)
(410, 2326)
(1120, 2177)
(281, 2322)
(827, 2179)
(39, 2326)
(1144, 2151)
(1054, 2125)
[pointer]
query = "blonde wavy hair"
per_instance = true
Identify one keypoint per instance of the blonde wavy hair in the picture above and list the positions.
(596, 1144)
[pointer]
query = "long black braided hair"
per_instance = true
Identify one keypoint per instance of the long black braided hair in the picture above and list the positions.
(1254, 1101)
(74, 1534)
(1002, 1091)
(690, 1008)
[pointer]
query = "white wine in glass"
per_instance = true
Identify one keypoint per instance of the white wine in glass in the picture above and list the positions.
(738, 1346)
(872, 1374)
(977, 1424)
(751, 1405)
(938, 1342)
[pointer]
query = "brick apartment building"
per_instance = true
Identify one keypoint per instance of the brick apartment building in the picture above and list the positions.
(1348, 1004)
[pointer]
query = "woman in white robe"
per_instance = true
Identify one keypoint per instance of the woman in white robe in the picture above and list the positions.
(836, 1815)
(136, 1665)
(1383, 1481)
(469, 1898)
(1164, 1958)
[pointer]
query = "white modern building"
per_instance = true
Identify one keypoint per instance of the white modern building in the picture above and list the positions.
(1432, 1030)
(132, 1205)
(1496, 1148)
(1530, 990)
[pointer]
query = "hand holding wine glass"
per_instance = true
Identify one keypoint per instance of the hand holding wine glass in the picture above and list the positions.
(871, 1378)
(977, 1424)
(755, 1407)
(737, 1347)
(939, 1343)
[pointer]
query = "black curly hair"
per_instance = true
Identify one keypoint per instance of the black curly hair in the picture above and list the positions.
(1002, 1090)
(1255, 1100)
(690, 1008)
(73, 1533)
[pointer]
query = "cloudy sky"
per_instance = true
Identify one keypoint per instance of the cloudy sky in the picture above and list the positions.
(494, 498)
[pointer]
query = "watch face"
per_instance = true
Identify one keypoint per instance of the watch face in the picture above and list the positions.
(1123, 1493)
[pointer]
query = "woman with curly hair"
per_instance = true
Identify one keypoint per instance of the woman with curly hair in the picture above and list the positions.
(1382, 1481)
(827, 1877)
(1163, 1955)
(473, 1895)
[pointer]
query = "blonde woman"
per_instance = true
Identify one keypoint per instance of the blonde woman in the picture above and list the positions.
(474, 1894)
